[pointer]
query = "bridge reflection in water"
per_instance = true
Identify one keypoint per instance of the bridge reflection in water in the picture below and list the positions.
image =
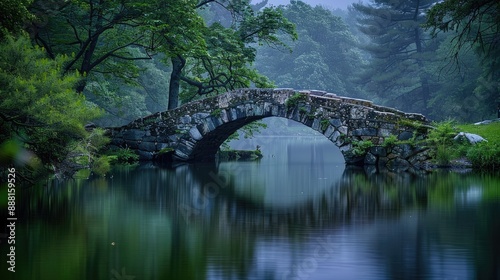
(280, 218)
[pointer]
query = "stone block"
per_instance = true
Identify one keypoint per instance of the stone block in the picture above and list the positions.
(199, 116)
(249, 110)
(233, 114)
(203, 128)
(378, 151)
(268, 108)
(241, 112)
(316, 124)
(329, 131)
(131, 144)
(258, 109)
(185, 119)
(365, 132)
(405, 135)
(384, 132)
(382, 161)
(147, 146)
(209, 122)
(398, 165)
(336, 122)
(195, 133)
(402, 150)
(150, 139)
(144, 155)
(133, 134)
(275, 111)
(343, 129)
(117, 141)
(370, 159)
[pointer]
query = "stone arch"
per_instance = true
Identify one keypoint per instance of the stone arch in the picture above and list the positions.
(194, 131)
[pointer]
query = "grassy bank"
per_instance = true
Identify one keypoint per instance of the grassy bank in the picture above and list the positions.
(484, 155)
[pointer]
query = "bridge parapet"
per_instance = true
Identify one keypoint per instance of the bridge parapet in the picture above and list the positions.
(195, 130)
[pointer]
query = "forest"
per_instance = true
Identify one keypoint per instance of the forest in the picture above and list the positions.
(67, 63)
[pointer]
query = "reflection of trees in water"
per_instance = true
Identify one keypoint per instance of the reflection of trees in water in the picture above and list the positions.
(223, 227)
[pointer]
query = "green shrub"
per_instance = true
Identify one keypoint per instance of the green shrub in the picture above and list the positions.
(440, 139)
(360, 148)
(216, 112)
(390, 141)
(102, 165)
(295, 99)
(122, 156)
(484, 156)
(324, 124)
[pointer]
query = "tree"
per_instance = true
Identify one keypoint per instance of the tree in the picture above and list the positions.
(399, 52)
(226, 63)
(324, 56)
(455, 86)
(475, 22)
(475, 25)
(38, 105)
(13, 15)
(99, 35)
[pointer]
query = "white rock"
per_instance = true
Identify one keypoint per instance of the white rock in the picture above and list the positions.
(472, 138)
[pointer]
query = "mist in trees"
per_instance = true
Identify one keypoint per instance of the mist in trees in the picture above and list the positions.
(325, 56)
(418, 56)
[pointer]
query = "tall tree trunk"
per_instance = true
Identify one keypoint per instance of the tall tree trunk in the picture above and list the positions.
(175, 78)
(422, 75)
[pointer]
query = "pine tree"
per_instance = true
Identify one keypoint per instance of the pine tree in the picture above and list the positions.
(400, 50)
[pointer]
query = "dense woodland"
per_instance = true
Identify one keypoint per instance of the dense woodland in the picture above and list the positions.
(65, 63)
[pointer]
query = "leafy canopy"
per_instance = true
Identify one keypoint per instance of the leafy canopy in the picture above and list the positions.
(38, 105)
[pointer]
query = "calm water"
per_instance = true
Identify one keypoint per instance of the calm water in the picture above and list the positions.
(296, 214)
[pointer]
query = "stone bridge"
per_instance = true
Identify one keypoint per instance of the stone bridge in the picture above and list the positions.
(194, 131)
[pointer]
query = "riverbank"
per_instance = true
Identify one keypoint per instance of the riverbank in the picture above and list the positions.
(461, 154)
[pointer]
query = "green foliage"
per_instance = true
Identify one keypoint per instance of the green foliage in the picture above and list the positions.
(295, 99)
(38, 106)
(166, 150)
(485, 156)
(390, 141)
(324, 124)
(472, 29)
(87, 152)
(442, 134)
(474, 21)
(359, 148)
(490, 132)
(441, 141)
(400, 52)
(102, 165)
(216, 112)
(122, 156)
(323, 57)
(13, 15)
(226, 60)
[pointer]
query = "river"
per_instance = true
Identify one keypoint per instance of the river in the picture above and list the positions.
(298, 213)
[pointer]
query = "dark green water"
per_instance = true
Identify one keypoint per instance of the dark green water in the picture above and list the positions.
(296, 214)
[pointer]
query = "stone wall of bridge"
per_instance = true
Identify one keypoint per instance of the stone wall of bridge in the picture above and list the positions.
(194, 131)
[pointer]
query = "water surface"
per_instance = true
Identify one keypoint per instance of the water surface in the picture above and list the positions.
(298, 213)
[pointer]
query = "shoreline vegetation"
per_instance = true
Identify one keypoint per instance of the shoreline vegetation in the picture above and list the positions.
(448, 152)
(239, 155)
